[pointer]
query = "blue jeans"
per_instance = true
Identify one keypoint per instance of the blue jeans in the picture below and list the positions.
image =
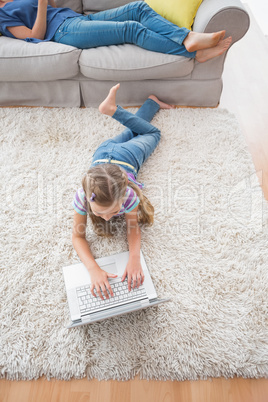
(136, 143)
(134, 23)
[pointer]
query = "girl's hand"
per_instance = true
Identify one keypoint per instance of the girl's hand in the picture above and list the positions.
(134, 273)
(99, 281)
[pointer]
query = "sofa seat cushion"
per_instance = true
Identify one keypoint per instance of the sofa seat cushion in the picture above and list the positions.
(44, 61)
(130, 62)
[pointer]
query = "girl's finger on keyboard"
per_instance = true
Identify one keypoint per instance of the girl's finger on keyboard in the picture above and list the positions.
(124, 275)
(138, 281)
(103, 288)
(110, 290)
(92, 291)
(129, 283)
(99, 292)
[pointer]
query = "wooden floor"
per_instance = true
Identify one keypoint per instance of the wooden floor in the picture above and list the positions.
(245, 94)
(216, 390)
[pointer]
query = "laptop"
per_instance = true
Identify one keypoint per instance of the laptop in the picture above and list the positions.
(86, 309)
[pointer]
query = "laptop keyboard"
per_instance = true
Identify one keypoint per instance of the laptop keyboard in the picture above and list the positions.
(89, 304)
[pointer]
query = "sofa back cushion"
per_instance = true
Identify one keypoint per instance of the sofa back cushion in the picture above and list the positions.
(101, 5)
(75, 5)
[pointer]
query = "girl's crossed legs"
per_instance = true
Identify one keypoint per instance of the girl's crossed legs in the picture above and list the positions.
(137, 142)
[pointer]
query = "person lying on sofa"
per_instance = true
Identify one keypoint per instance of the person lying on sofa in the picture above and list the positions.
(135, 23)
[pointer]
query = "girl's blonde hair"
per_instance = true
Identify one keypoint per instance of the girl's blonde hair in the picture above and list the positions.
(108, 183)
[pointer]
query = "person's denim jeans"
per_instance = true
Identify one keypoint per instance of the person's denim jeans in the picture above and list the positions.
(134, 23)
(136, 143)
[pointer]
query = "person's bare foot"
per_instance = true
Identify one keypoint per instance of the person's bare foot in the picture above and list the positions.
(162, 105)
(207, 54)
(108, 106)
(197, 41)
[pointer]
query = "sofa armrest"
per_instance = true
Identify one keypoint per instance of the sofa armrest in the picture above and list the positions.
(215, 15)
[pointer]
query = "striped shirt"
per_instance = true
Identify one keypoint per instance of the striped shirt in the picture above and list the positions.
(131, 200)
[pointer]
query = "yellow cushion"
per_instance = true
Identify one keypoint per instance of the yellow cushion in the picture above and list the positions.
(180, 12)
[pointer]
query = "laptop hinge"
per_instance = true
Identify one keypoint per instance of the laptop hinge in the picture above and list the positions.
(144, 300)
(76, 321)
(123, 307)
(153, 300)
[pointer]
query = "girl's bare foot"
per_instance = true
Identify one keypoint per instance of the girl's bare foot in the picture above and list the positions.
(108, 106)
(162, 105)
(198, 41)
(207, 54)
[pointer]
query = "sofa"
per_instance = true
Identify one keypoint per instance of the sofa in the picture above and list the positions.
(55, 75)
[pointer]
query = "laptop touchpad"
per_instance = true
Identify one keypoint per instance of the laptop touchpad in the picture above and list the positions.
(110, 267)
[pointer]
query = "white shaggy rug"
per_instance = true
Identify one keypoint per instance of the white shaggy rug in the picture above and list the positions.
(207, 251)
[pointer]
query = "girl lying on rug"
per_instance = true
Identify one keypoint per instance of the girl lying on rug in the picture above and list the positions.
(136, 23)
(110, 189)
